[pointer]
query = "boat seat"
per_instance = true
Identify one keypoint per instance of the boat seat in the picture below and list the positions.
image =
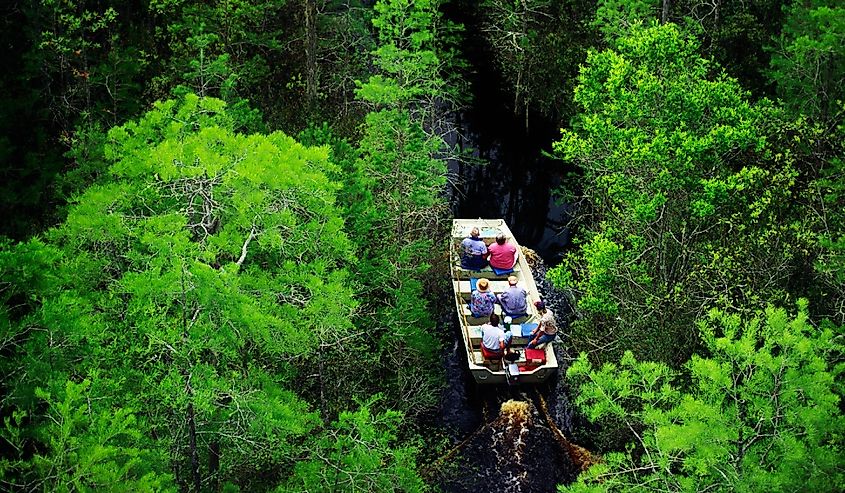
(520, 336)
(485, 232)
(467, 287)
(480, 320)
(502, 272)
(522, 363)
(485, 272)
(517, 341)
(487, 354)
(492, 364)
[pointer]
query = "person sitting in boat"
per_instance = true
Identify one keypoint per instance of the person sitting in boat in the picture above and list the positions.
(494, 340)
(514, 300)
(474, 251)
(546, 330)
(502, 255)
(481, 300)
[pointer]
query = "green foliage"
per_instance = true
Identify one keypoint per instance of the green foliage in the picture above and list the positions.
(412, 55)
(808, 59)
(360, 453)
(86, 447)
(684, 206)
(537, 46)
(616, 18)
(392, 196)
(216, 48)
(190, 286)
(68, 69)
(760, 413)
(732, 33)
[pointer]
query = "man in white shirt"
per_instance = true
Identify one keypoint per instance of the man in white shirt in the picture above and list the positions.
(493, 338)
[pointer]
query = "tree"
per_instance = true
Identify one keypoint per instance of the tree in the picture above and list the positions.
(760, 412)
(734, 34)
(189, 288)
(84, 448)
(392, 196)
(360, 453)
(70, 70)
(682, 208)
(808, 59)
(537, 46)
(219, 49)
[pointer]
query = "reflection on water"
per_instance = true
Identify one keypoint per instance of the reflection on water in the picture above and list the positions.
(511, 179)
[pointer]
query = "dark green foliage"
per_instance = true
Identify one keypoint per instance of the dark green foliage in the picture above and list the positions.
(364, 455)
(734, 34)
(86, 446)
(66, 65)
(220, 49)
(537, 46)
(808, 59)
(393, 196)
(213, 299)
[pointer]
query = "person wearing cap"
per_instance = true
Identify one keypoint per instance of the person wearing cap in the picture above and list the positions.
(493, 338)
(502, 254)
(482, 300)
(514, 300)
(546, 331)
(474, 249)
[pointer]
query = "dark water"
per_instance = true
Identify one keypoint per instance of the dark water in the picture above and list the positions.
(501, 436)
(514, 179)
(494, 447)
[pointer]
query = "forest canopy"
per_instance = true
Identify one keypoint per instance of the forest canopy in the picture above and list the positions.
(223, 249)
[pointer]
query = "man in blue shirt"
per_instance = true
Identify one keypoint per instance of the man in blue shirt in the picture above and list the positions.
(514, 299)
(474, 255)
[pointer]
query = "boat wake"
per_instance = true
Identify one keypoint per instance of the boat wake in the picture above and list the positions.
(514, 452)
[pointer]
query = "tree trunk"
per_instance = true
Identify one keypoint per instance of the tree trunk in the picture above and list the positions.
(214, 464)
(192, 424)
(664, 17)
(311, 55)
(192, 437)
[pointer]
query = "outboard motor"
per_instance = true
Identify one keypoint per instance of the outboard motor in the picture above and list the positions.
(511, 368)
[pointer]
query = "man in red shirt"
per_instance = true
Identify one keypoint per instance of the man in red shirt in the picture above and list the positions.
(502, 254)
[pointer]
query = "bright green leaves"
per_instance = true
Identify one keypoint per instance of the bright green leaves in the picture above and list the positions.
(86, 446)
(659, 142)
(760, 413)
(614, 18)
(363, 453)
(616, 391)
(405, 54)
(197, 279)
(408, 24)
(602, 255)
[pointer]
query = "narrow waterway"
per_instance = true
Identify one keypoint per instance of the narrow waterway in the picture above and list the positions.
(507, 174)
(510, 439)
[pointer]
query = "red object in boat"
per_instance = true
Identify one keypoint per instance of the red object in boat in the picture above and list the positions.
(537, 356)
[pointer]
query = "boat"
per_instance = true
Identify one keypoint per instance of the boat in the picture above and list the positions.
(532, 366)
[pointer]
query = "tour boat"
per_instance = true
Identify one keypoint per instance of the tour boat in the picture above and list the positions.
(532, 366)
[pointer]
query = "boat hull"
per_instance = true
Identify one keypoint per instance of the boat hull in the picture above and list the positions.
(485, 371)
